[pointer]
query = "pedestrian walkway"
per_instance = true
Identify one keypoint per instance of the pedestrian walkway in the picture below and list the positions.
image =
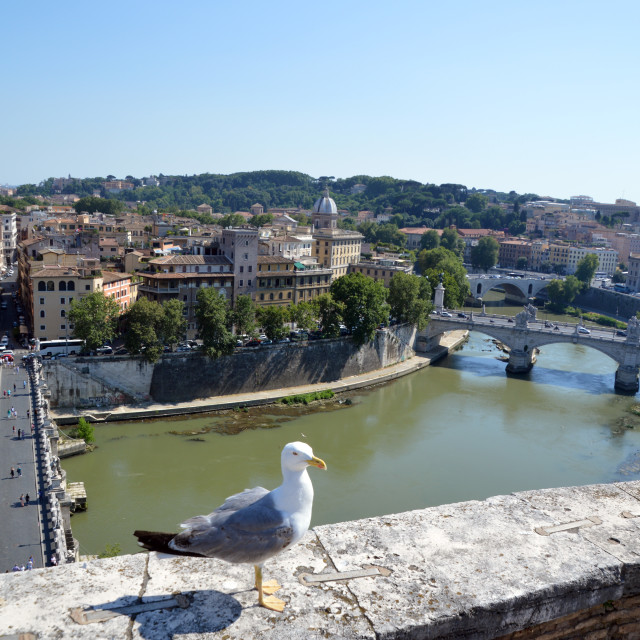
(19, 526)
(201, 405)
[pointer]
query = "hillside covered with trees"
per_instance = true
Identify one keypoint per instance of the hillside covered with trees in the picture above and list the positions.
(409, 201)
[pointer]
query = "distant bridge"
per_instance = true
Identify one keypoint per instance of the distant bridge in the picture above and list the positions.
(519, 289)
(524, 334)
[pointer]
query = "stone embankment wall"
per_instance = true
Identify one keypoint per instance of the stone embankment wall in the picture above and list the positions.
(181, 377)
(607, 301)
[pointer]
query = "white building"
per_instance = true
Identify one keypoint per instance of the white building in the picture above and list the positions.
(9, 237)
(607, 259)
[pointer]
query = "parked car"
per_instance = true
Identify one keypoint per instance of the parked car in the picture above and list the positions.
(253, 343)
(446, 314)
(584, 330)
(106, 350)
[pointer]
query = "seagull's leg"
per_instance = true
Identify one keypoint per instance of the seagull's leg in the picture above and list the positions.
(268, 602)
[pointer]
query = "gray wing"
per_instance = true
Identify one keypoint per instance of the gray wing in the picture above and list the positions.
(231, 504)
(252, 533)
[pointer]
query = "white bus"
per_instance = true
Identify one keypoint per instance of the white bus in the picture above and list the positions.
(49, 348)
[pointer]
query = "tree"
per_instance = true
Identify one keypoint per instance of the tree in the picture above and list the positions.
(410, 299)
(214, 318)
(586, 269)
(562, 293)
(94, 319)
(272, 319)
(244, 315)
(365, 304)
(143, 323)
(485, 254)
(476, 202)
(521, 263)
(433, 263)
(173, 324)
(430, 240)
(329, 314)
(91, 204)
(303, 314)
(85, 431)
(452, 241)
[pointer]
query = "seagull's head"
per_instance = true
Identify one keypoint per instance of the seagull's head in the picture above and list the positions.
(297, 456)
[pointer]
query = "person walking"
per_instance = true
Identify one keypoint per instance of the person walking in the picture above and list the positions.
(13, 473)
(14, 429)
(30, 563)
(19, 431)
(21, 500)
(26, 498)
(14, 387)
(24, 384)
(19, 471)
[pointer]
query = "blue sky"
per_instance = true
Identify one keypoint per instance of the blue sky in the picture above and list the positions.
(534, 96)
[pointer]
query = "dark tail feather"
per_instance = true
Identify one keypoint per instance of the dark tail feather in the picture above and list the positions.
(157, 541)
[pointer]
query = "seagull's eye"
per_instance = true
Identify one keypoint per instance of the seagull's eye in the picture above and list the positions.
(294, 453)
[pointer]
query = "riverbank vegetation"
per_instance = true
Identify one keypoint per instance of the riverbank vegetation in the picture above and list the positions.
(306, 398)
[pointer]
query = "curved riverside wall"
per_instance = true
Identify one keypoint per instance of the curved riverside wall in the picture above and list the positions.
(607, 301)
(181, 377)
(552, 564)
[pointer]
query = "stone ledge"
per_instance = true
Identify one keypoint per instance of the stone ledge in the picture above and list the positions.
(468, 570)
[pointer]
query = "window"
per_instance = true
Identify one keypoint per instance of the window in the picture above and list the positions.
(271, 296)
(241, 269)
(242, 283)
(43, 327)
(280, 296)
(246, 255)
(87, 287)
(41, 300)
(249, 268)
(63, 326)
(51, 286)
(42, 286)
(248, 283)
(42, 315)
(63, 313)
(62, 285)
(71, 285)
(262, 296)
(62, 300)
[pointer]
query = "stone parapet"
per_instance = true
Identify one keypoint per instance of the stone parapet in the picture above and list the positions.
(516, 566)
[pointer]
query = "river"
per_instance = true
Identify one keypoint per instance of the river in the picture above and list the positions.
(459, 430)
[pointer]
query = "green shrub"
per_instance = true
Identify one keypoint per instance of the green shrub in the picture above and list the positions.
(306, 398)
(84, 431)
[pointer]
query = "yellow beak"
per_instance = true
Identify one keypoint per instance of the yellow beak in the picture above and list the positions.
(316, 462)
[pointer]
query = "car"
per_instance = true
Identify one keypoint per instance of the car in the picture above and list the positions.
(262, 336)
(15, 324)
(267, 341)
(253, 343)
(583, 330)
(106, 350)
(183, 347)
(284, 340)
(621, 332)
(510, 320)
(239, 343)
(446, 314)
(3, 305)
(462, 315)
(7, 352)
(121, 351)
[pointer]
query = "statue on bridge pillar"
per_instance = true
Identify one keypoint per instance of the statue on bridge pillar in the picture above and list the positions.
(532, 311)
(439, 295)
(521, 319)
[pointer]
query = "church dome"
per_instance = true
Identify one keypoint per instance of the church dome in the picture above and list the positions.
(325, 204)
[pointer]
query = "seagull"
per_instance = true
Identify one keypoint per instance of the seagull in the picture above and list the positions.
(252, 526)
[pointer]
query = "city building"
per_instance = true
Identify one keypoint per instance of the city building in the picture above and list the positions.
(633, 275)
(381, 269)
(333, 248)
(181, 277)
(240, 246)
(9, 237)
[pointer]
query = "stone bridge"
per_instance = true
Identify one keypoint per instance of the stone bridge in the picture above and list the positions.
(524, 334)
(516, 289)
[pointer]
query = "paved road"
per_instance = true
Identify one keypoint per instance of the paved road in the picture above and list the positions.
(19, 526)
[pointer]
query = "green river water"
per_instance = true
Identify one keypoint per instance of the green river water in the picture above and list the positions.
(459, 430)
